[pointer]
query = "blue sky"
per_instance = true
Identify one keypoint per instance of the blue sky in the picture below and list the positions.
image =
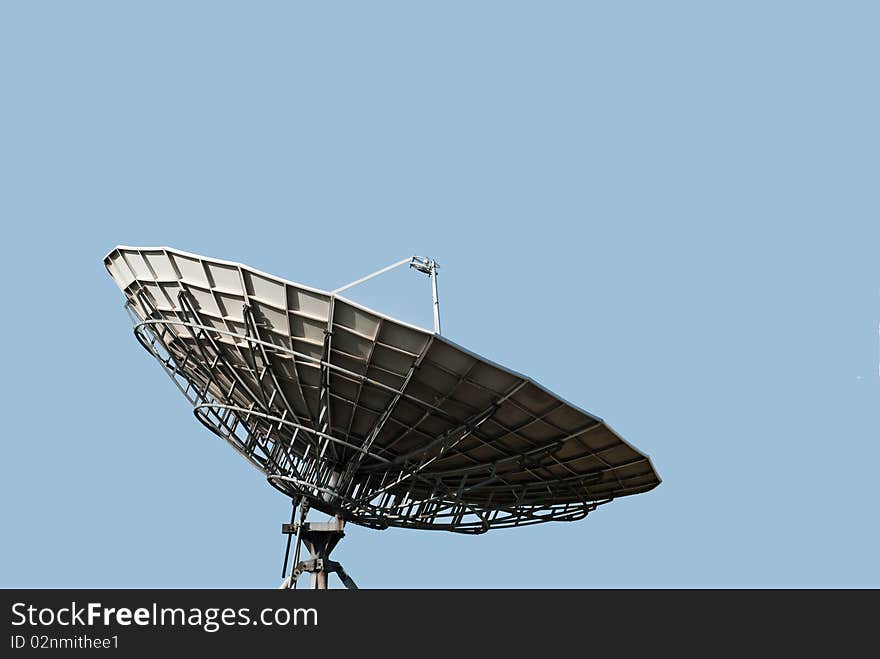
(665, 212)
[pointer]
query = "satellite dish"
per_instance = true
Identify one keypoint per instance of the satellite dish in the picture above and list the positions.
(368, 419)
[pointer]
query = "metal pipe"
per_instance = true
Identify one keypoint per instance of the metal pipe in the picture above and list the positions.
(289, 540)
(303, 512)
(375, 274)
(435, 298)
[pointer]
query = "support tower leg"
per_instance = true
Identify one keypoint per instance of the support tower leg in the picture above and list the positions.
(320, 538)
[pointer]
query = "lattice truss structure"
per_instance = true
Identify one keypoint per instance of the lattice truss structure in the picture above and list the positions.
(362, 416)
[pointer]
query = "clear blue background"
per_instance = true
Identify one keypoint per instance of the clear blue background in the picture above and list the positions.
(665, 212)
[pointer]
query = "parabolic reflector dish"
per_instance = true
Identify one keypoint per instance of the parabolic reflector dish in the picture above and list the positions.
(367, 418)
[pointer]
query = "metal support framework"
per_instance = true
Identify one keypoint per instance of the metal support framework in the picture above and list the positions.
(320, 538)
(376, 502)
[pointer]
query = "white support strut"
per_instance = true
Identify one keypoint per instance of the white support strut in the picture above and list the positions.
(422, 264)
